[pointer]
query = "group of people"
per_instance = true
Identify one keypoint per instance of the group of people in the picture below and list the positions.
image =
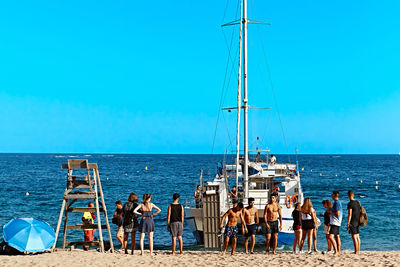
(127, 217)
(251, 225)
(306, 223)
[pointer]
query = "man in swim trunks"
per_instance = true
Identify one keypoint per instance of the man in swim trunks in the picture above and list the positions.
(271, 211)
(335, 222)
(231, 229)
(251, 219)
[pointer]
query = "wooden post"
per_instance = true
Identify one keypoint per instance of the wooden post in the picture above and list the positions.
(65, 223)
(59, 223)
(98, 216)
(104, 209)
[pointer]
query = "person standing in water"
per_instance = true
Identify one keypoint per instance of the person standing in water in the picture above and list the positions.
(175, 219)
(146, 223)
(252, 222)
(271, 212)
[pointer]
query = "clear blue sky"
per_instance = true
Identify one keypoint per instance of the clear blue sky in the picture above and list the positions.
(146, 76)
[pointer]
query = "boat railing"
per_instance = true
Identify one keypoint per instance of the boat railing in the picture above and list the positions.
(192, 203)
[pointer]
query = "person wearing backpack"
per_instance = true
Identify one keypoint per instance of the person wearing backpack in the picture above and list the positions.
(353, 220)
(130, 221)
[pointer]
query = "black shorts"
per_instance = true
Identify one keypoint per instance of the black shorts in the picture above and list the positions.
(273, 227)
(334, 230)
(354, 229)
(307, 224)
(251, 229)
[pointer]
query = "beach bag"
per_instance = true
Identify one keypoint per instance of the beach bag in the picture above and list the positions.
(129, 217)
(363, 215)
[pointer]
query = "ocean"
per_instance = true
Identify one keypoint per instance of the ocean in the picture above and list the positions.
(374, 178)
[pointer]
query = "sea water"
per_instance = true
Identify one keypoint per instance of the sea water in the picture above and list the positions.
(374, 178)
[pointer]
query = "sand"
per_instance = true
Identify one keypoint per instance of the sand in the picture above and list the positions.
(202, 258)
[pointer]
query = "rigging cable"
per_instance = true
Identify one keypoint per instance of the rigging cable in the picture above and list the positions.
(225, 77)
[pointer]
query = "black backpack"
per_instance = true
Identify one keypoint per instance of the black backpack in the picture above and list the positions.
(129, 217)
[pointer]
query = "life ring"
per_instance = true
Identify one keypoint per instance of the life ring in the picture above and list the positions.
(294, 198)
(288, 202)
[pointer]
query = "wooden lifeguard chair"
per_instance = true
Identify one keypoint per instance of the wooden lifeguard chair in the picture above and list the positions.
(85, 185)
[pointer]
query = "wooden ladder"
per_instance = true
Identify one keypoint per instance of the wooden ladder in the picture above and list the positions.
(83, 186)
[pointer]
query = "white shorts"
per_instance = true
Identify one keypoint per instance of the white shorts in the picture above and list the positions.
(326, 229)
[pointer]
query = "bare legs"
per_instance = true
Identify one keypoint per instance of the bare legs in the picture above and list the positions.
(297, 239)
(180, 244)
(267, 241)
(133, 241)
(306, 232)
(121, 240)
(336, 246)
(246, 243)
(141, 243)
(314, 233)
(151, 242)
(226, 243)
(356, 243)
(329, 242)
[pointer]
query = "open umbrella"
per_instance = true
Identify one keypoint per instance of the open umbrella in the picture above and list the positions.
(29, 234)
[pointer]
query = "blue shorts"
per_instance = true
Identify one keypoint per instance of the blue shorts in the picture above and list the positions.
(231, 231)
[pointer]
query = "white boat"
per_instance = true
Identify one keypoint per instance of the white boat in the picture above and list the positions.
(260, 179)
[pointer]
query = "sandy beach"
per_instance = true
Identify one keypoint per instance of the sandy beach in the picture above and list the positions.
(201, 258)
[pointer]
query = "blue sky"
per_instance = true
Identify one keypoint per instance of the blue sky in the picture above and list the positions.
(146, 77)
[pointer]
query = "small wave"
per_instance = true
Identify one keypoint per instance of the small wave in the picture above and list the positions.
(60, 156)
(107, 155)
(73, 156)
(87, 155)
(362, 196)
(336, 156)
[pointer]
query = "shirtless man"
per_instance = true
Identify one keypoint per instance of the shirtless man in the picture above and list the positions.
(271, 211)
(252, 222)
(231, 229)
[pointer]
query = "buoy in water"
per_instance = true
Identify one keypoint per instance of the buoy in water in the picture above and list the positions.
(399, 186)
(302, 169)
(376, 182)
(336, 175)
(310, 170)
(348, 178)
(27, 194)
(376, 187)
(145, 168)
(320, 174)
(360, 181)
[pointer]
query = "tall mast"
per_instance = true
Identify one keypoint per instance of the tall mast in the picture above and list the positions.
(245, 102)
(239, 99)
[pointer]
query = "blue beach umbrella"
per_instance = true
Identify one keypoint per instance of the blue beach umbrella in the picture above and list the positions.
(29, 234)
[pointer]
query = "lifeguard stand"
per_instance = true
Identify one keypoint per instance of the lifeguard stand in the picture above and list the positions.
(85, 185)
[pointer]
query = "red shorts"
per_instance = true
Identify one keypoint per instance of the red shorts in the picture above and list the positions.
(88, 235)
(296, 227)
